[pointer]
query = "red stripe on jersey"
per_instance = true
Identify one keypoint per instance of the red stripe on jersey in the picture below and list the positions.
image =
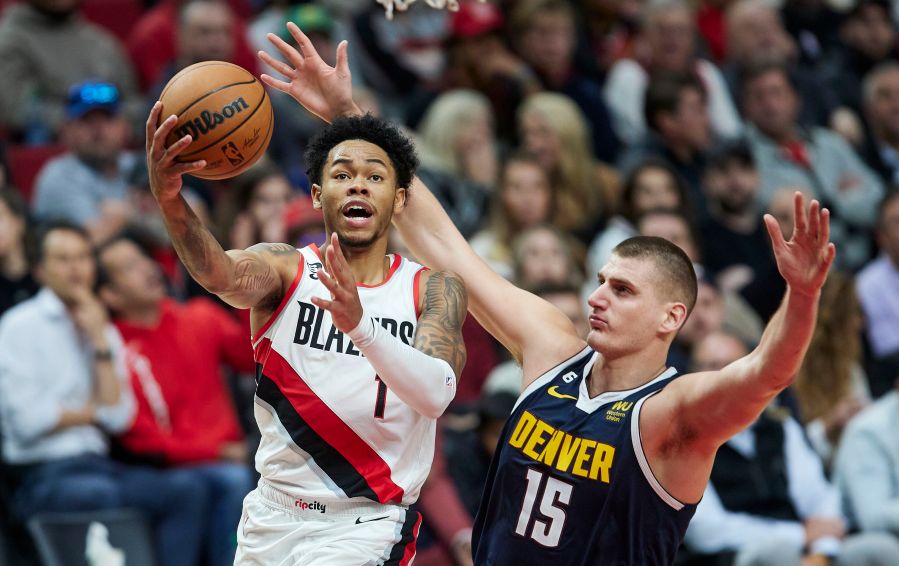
(393, 267)
(332, 429)
(416, 292)
(410, 548)
(261, 350)
(396, 265)
(293, 287)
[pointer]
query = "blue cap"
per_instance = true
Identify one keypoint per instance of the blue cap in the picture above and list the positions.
(91, 95)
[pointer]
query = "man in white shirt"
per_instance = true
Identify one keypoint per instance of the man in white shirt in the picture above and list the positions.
(63, 387)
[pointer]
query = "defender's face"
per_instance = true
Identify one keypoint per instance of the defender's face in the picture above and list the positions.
(626, 311)
(358, 194)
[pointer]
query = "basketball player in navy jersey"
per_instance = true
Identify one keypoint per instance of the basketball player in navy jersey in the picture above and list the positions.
(357, 352)
(608, 450)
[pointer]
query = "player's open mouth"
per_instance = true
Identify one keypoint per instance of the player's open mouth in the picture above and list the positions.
(357, 213)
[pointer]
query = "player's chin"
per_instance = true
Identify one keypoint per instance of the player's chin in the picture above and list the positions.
(596, 339)
(357, 239)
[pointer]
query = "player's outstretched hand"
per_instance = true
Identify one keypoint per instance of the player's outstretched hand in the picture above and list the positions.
(804, 260)
(324, 90)
(344, 306)
(165, 173)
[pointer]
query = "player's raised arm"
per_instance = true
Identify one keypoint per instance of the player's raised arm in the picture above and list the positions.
(423, 376)
(242, 278)
(701, 411)
(521, 321)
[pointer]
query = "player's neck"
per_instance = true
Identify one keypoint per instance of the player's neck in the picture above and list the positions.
(621, 373)
(369, 265)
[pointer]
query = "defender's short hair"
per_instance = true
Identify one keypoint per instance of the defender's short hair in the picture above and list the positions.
(675, 269)
(381, 133)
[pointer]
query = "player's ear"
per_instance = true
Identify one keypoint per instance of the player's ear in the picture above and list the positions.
(399, 199)
(675, 316)
(316, 196)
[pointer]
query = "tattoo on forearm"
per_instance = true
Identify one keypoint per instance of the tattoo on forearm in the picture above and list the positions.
(439, 332)
(196, 247)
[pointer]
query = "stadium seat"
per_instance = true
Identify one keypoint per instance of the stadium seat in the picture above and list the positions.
(25, 162)
(61, 538)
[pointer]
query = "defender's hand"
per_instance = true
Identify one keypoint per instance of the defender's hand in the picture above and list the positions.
(324, 90)
(805, 259)
(344, 306)
(165, 173)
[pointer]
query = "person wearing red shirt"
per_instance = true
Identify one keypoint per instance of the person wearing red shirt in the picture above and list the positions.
(185, 415)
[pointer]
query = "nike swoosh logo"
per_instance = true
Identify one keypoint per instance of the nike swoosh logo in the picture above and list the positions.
(359, 520)
(552, 391)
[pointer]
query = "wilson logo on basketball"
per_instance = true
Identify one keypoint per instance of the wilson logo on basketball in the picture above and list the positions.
(208, 121)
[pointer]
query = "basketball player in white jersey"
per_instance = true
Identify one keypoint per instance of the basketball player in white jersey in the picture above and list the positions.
(608, 450)
(357, 352)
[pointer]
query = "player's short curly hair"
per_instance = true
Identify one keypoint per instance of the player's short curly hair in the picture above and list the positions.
(382, 133)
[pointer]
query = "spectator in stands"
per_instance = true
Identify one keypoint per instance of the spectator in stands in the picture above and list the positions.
(254, 209)
(181, 423)
(673, 225)
(543, 33)
(63, 385)
(45, 48)
(652, 184)
(445, 537)
(868, 37)
(881, 99)
(552, 128)
(814, 25)
(16, 281)
(714, 312)
(544, 255)
(522, 200)
(866, 467)
(611, 30)
(458, 150)
(676, 110)
(204, 32)
(831, 386)
(735, 248)
(479, 59)
(768, 500)
(471, 450)
(878, 288)
(155, 41)
(755, 32)
(787, 154)
(88, 185)
(668, 34)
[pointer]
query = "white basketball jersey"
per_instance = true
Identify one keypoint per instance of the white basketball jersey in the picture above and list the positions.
(330, 428)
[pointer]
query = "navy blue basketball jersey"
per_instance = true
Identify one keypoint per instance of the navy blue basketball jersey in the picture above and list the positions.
(569, 483)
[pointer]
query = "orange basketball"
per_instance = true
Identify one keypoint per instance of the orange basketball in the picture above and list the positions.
(226, 111)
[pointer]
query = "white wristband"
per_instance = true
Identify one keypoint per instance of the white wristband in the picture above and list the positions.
(425, 383)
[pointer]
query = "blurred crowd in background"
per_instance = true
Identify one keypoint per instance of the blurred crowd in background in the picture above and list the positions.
(550, 130)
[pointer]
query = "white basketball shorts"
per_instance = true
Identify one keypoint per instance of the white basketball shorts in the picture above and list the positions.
(278, 529)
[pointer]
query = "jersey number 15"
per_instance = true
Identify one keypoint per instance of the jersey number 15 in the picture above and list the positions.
(554, 496)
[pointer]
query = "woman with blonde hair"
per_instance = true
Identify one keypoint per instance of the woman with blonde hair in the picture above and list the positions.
(831, 386)
(457, 146)
(553, 128)
(522, 200)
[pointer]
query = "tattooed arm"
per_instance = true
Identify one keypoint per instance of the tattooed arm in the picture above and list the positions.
(242, 278)
(439, 332)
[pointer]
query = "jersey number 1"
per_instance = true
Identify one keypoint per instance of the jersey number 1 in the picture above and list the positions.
(554, 496)
(381, 399)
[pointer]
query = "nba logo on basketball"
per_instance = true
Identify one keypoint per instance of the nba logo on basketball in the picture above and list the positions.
(232, 153)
